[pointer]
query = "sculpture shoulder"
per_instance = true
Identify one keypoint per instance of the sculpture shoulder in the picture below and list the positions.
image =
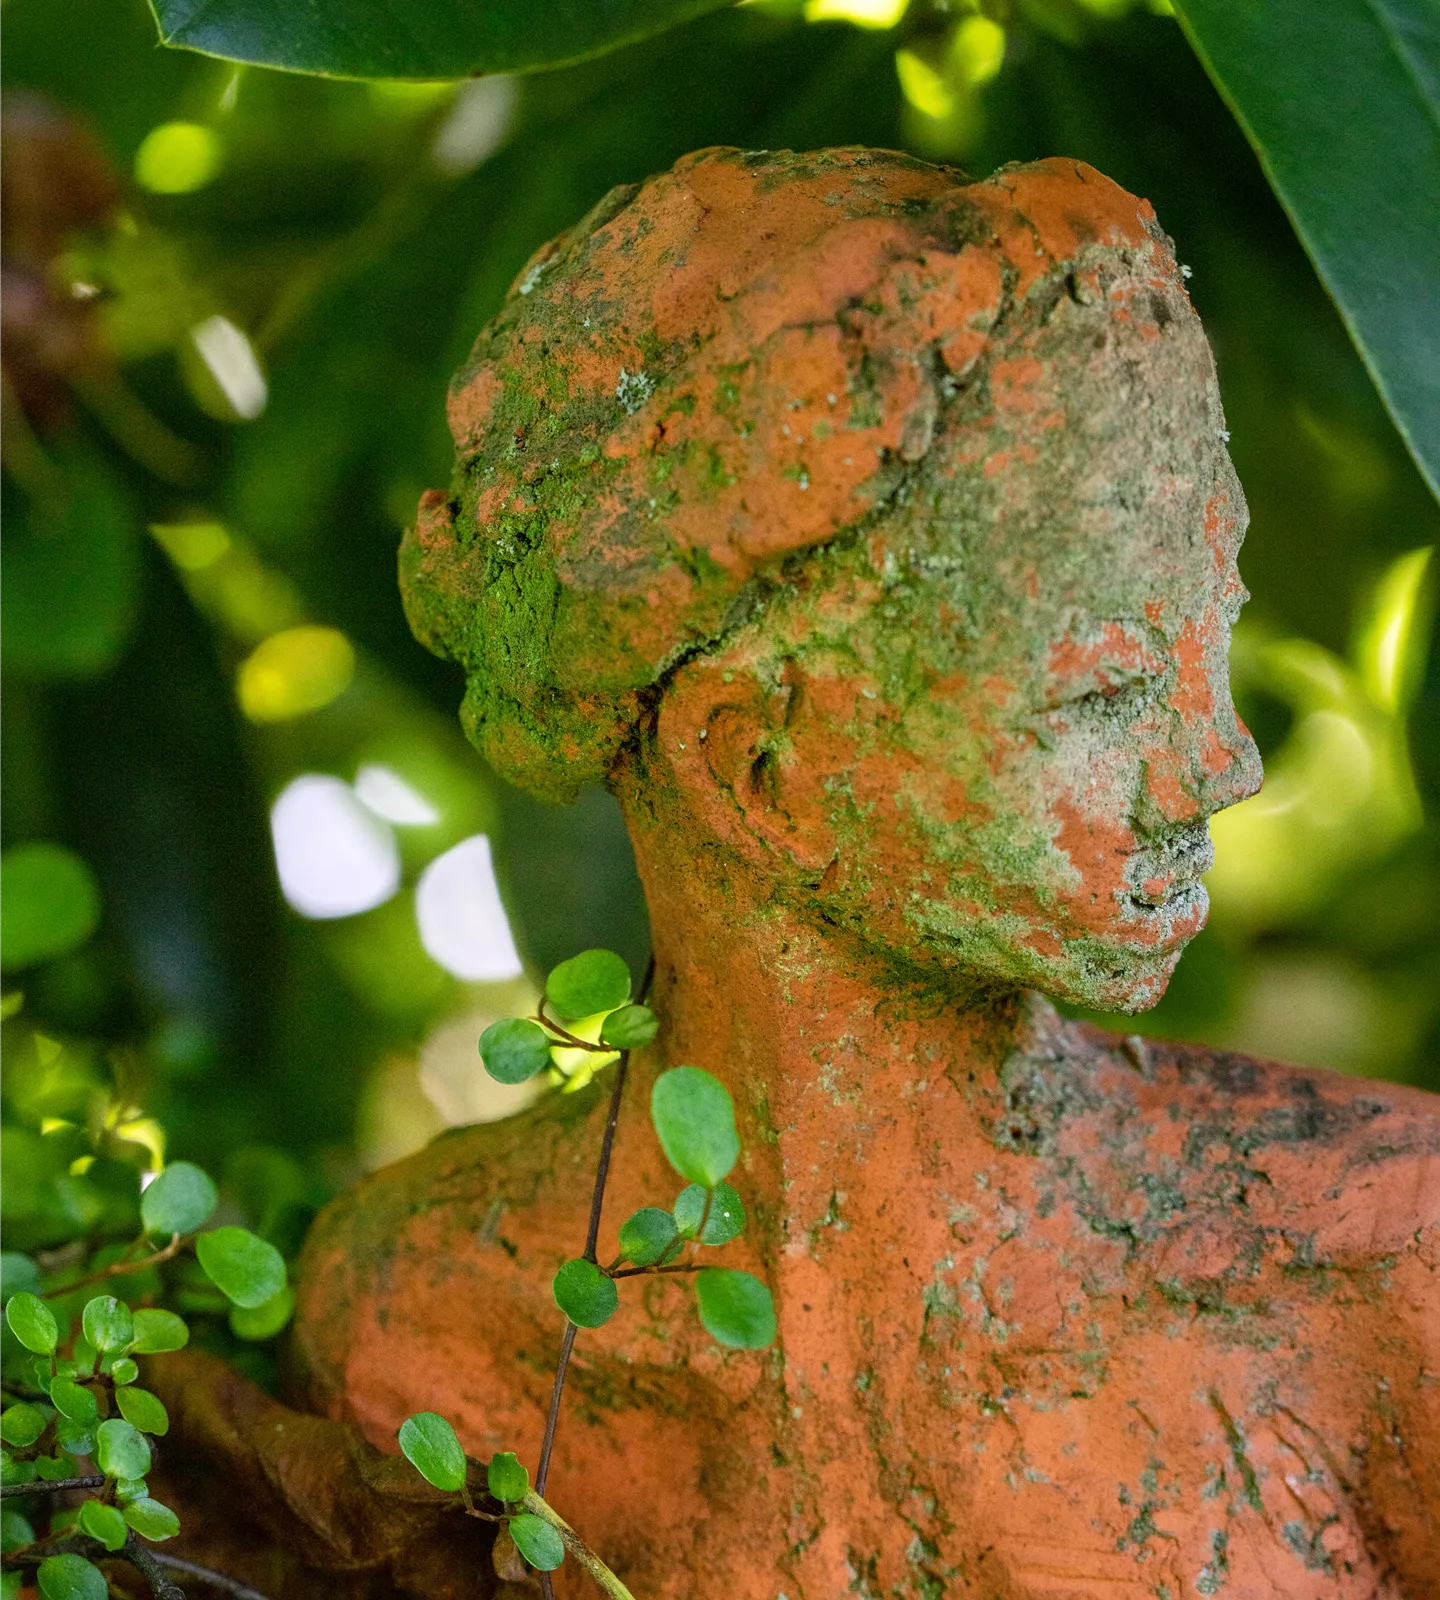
(1342, 1169)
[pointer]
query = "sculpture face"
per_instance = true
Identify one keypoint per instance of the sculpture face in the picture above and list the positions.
(1007, 721)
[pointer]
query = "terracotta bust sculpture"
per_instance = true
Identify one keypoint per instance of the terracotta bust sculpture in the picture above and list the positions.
(873, 537)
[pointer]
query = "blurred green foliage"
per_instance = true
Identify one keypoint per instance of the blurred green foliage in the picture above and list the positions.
(234, 299)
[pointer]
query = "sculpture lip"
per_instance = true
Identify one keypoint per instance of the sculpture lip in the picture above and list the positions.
(1167, 877)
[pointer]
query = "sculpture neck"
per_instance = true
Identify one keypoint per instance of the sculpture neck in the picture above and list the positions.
(821, 1042)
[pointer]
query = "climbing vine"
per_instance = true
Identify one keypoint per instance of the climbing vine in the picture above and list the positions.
(587, 1021)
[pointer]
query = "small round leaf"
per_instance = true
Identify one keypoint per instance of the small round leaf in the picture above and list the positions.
(107, 1322)
(144, 1410)
(50, 901)
(537, 1541)
(70, 1577)
(629, 1028)
(124, 1371)
(645, 1237)
(585, 1294)
(514, 1050)
(74, 1401)
(128, 1489)
(241, 1265)
(506, 1478)
(695, 1118)
(263, 1322)
(104, 1523)
(22, 1424)
(75, 1439)
(735, 1308)
(595, 980)
(180, 1200)
(33, 1323)
(725, 1220)
(15, 1531)
(431, 1447)
(157, 1331)
(151, 1520)
(17, 1273)
(121, 1450)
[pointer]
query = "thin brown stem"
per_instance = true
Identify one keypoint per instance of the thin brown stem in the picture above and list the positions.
(552, 1417)
(641, 1272)
(118, 1269)
(216, 1580)
(597, 1205)
(150, 1567)
(55, 1486)
(567, 1038)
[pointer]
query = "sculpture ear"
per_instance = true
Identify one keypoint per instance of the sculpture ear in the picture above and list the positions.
(725, 736)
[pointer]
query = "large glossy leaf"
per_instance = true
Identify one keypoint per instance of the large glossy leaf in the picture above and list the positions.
(425, 39)
(1342, 104)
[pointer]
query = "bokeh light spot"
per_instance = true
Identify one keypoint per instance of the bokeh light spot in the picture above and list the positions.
(192, 546)
(178, 158)
(978, 48)
(923, 86)
(389, 796)
(230, 358)
(291, 673)
(863, 13)
(462, 921)
(333, 855)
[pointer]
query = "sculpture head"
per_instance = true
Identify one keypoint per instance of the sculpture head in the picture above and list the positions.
(877, 528)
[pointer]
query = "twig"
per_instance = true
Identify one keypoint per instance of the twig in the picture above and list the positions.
(118, 1269)
(216, 1580)
(552, 1417)
(647, 1272)
(574, 1041)
(55, 1486)
(578, 1548)
(152, 1569)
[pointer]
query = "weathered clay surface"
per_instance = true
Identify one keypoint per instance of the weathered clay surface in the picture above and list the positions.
(889, 586)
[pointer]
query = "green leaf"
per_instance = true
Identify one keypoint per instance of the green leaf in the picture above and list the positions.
(75, 1439)
(121, 1450)
(1343, 108)
(537, 1541)
(84, 1355)
(735, 1308)
(18, 1274)
(645, 1237)
(128, 1489)
(695, 1118)
(13, 1471)
(51, 1469)
(241, 1265)
(263, 1322)
(180, 1200)
(33, 1323)
(506, 1478)
(49, 903)
(593, 981)
(15, 1531)
(104, 1523)
(725, 1221)
(22, 1424)
(71, 1400)
(158, 1331)
(437, 38)
(514, 1050)
(144, 1411)
(629, 1028)
(431, 1447)
(72, 571)
(585, 1294)
(124, 1371)
(152, 1520)
(107, 1322)
(70, 1577)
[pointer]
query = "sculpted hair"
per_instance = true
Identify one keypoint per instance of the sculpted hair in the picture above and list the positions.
(742, 359)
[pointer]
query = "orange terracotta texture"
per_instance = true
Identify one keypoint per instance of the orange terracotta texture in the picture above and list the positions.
(872, 535)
